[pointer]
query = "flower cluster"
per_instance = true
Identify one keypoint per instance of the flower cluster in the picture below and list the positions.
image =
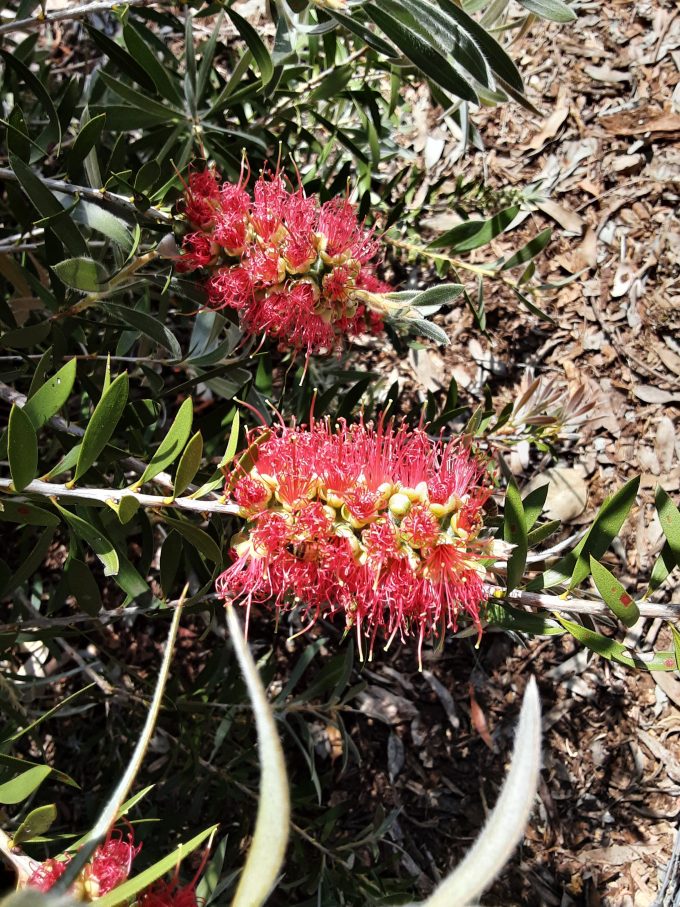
(109, 867)
(295, 270)
(379, 522)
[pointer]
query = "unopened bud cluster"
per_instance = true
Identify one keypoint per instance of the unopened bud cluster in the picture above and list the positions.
(381, 523)
(295, 270)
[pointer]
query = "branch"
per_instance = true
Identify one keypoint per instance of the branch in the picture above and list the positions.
(137, 466)
(114, 495)
(543, 602)
(76, 12)
(99, 196)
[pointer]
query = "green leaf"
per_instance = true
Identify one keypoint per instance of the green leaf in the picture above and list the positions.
(472, 234)
(676, 644)
(53, 394)
(200, 540)
(444, 294)
(669, 517)
(48, 207)
(428, 329)
(30, 564)
(83, 585)
(614, 651)
(125, 508)
(122, 894)
(22, 448)
(208, 53)
(26, 514)
(515, 532)
(663, 565)
(189, 464)
(101, 546)
(163, 79)
(402, 28)
(172, 444)
(502, 614)
(102, 424)
(83, 274)
(52, 134)
(543, 532)
(104, 222)
(21, 338)
(21, 787)
(148, 325)
(614, 595)
(255, 45)
(555, 10)
(528, 251)
(533, 504)
(141, 101)
(120, 57)
(85, 141)
(37, 822)
(607, 523)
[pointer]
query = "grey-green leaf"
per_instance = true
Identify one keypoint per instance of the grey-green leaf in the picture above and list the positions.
(613, 593)
(83, 274)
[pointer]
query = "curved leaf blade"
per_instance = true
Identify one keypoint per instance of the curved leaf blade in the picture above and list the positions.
(22, 448)
(102, 424)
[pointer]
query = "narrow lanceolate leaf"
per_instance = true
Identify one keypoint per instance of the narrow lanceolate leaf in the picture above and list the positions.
(189, 464)
(273, 812)
(614, 595)
(444, 294)
(607, 523)
(22, 448)
(555, 10)
(528, 251)
(669, 517)
(400, 27)
(37, 822)
(26, 514)
(615, 651)
(172, 444)
(515, 532)
(473, 234)
(505, 826)
(21, 787)
(101, 546)
(49, 398)
(103, 423)
(255, 45)
(112, 808)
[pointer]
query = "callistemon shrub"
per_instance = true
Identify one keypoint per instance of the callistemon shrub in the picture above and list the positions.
(380, 523)
(295, 270)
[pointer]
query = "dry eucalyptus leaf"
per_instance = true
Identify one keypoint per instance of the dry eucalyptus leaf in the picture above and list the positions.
(649, 394)
(567, 492)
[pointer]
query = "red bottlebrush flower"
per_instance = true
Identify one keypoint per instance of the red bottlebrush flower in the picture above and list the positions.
(46, 874)
(109, 867)
(303, 275)
(230, 288)
(378, 522)
(197, 252)
(202, 199)
(168, 894)
(111, 864)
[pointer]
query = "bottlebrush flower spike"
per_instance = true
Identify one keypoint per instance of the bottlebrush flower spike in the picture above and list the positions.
(295, 270)
(109, 867)
(377, 522)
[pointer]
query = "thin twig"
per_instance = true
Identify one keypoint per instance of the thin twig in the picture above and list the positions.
(115, 495)
(61, 15)
(99, 196)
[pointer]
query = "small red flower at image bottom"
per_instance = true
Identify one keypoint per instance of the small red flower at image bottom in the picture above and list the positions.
(379, 523)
